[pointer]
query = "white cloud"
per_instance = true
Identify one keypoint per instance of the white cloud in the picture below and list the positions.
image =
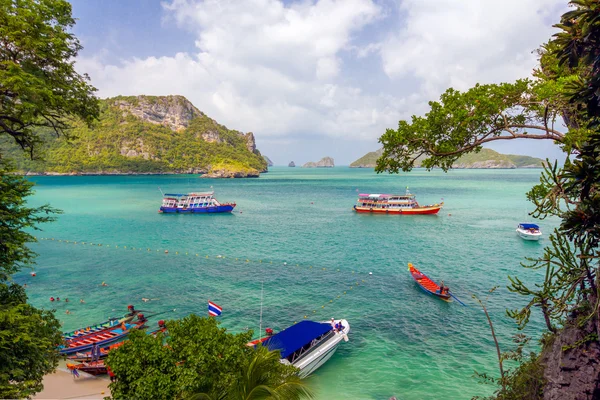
(280, 70)
(459, 43)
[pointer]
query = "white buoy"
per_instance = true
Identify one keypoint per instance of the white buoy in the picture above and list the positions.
(284, 263)
(370, 273)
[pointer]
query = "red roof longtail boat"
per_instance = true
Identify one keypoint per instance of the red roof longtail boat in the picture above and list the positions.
(427, 284)
(102, 338)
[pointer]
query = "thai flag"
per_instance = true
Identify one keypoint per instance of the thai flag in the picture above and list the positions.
(213, 309)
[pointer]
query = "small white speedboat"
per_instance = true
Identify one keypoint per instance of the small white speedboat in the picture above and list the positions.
(308, 344)
(529, 231)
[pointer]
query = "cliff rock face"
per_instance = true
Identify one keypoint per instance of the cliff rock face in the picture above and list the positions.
(175, 112)
(325, 162)
(572, 366)
(291, 164)
(250, 143)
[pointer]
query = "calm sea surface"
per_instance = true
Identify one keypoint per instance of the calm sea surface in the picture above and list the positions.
(294, 230)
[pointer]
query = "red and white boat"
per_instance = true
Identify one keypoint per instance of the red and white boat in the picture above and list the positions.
(394, 204)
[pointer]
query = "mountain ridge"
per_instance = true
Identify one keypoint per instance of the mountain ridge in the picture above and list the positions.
(484, 159)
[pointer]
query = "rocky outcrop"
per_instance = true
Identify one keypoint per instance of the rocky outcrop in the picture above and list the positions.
(250, 143)
(268, 160)
(325, 162)
(369, 160)
(176, 112)
(572, 365)
(291, 164)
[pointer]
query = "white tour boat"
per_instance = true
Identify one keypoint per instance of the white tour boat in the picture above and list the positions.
(308, 344)
(529, 231)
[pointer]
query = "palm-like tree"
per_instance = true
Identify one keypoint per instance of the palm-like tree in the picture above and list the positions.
(264, 379)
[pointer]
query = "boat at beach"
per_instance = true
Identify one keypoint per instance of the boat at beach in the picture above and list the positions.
(306, 345)
(92, 367)
(86, 356)
(405, 204)
(427, 284)
(101, 338)
(111, 322)
(529, 231)
(195, 202)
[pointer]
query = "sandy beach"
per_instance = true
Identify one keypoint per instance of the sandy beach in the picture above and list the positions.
(63, 385)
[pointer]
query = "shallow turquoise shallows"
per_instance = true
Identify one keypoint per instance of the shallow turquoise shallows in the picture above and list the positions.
(294, 230)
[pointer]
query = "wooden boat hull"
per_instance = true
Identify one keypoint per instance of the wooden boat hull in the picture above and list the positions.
(426, 284)
(426, 210)
(98, 327)
(92, 368)
(102, 338)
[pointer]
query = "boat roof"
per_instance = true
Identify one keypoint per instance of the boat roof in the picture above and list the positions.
(384, 196)
(529, 226)
(188, 194)
(296, 336)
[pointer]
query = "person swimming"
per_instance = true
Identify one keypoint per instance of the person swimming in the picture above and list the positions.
(103, 284)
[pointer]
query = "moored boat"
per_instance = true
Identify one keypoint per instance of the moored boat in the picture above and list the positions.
(405, 204)
(427, 284)
(92, 368)
(86, 356)
(308, 344)
(529, 231)
(193, 203)
(101, 338)
(102, 325)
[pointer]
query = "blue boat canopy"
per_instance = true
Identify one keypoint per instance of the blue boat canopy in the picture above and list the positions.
(529, 226)
(296, 336)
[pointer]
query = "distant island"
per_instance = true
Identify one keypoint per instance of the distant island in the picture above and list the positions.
(325, 162)
(146, 135)
(485, 159)
(268, 160)
(291, 164)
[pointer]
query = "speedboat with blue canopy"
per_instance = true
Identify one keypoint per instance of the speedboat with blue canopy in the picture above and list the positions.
(529, 231)
(197, 202)
(308, 344)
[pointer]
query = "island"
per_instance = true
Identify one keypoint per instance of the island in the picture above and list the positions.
(291, 164)
(268, 160)
(325, 162)
(146, 135)
(484, 159)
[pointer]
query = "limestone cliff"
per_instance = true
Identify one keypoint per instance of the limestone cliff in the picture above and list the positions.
(148, 134)
(325, 162)
(291, 164)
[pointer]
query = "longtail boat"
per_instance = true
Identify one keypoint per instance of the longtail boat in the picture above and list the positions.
(111, 322)
(87, 355)
(402, 204)
(427, 284)
(92, 368)
(102, 338)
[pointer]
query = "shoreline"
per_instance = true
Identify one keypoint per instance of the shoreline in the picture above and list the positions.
(61, 384)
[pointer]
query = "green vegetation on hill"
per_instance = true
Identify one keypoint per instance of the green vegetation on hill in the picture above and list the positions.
(486, 158)
(120, 142)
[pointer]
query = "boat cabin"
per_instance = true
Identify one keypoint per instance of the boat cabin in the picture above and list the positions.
(533, 228)
(385, 201)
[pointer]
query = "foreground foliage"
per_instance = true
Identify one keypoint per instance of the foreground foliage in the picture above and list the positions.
(28, 340)
(202, 360)
(39, 89)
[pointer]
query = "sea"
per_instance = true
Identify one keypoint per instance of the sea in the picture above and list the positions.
(294, 249)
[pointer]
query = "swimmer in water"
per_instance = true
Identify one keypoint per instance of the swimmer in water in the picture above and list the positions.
(81, 301)
(145, 300)
(104, 284)
(67, 312)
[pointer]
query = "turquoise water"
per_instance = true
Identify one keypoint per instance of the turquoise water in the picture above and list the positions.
(403, 343)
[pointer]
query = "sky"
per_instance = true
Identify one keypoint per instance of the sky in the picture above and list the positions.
(313, 78)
